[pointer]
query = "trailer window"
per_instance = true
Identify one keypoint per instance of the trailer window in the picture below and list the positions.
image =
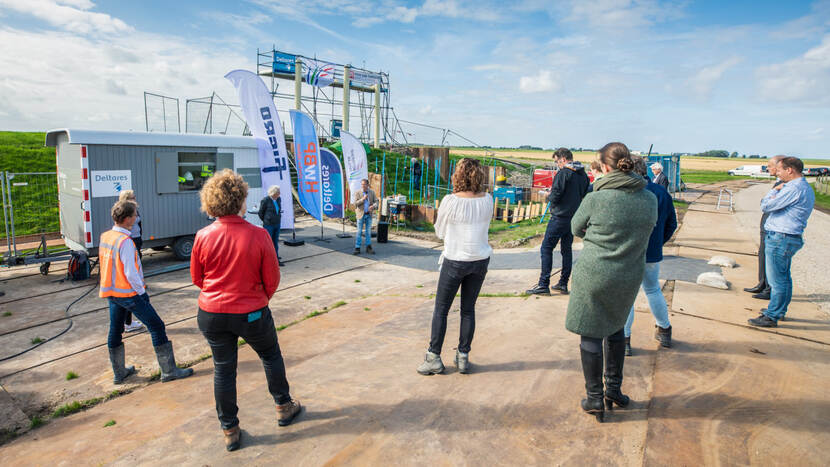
(194, 168)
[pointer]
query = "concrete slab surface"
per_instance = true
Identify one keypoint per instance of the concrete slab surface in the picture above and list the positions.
(724, 394)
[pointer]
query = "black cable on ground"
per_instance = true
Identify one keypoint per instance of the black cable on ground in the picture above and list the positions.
(66, 313)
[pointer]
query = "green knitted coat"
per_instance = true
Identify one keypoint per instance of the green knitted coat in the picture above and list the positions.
(615, 222)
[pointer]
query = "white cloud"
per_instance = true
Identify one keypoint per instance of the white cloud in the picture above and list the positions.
(616, 15)
(83, 81)
(71, 15)
(802, 79)
(541, 82)
(703, 82)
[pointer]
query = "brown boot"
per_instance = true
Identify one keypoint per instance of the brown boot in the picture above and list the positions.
(232, 437)
(286, 412)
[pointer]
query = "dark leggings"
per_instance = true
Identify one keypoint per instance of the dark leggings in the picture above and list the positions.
(469, 275)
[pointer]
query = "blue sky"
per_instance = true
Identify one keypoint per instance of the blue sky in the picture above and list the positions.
(687, 76)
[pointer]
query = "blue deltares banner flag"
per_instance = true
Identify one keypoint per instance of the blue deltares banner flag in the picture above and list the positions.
(307, 156)
(332, 174)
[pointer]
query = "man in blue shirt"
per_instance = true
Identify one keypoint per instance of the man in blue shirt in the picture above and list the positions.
(789, 206)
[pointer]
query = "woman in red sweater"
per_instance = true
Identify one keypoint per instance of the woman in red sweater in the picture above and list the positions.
(235, 265)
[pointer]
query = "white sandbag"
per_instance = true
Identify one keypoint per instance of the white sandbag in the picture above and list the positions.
(713, 279)
(723, 261)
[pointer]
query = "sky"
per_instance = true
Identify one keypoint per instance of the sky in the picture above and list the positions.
(686, 76)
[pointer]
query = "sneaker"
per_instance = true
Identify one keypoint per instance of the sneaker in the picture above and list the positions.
(628, 346)
(369, 249)
(432, 365)
(561, 288)
(462, 362)
(356, 251)
(232, 437)
(134, 326)
(763, 321)
(286, 412)
(538, 290)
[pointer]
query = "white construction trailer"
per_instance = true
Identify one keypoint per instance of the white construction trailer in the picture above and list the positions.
(165, 170)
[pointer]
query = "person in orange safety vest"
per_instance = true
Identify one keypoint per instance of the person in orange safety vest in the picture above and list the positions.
(122, 284)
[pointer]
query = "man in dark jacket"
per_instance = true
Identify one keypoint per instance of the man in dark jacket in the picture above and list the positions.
(270, 213)
(569, 187)
(762, 290)
(416, 173)
(659, 177)
(662, 232)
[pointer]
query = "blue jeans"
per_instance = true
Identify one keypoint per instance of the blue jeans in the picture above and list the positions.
(559, 228)
(138, 305)
(364, 223)
(274, 232)
(656, 300)
(780, 249)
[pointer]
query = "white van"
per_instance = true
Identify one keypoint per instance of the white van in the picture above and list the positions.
(748, 170)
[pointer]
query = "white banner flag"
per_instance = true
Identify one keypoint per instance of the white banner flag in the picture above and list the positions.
(261, 116)
(354, 158)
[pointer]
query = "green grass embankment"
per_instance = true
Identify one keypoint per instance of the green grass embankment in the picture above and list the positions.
(708, 176)
(24, 152)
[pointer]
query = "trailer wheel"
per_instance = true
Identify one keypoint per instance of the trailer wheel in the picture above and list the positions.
(44, 268)
(182, 247)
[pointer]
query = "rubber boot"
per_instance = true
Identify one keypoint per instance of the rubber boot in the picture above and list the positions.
(167, 363)
(592, 369)
(118, 369)
(614, 359)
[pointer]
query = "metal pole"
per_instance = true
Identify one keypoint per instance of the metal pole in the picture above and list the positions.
(11, 211)
(396, 176)
(377, 115)
(298, 82)
(146, 120)
(164, 114)
(3, 185)
(346, 95)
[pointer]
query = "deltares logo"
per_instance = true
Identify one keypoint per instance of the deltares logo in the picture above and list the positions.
(111, 178)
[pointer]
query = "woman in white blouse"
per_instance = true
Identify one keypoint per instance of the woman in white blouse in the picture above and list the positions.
(463, 221)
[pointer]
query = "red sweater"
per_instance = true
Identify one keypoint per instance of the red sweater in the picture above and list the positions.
(235, 265)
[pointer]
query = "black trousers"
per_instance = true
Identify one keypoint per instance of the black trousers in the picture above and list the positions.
(469, 275)
(594, 344)
(559, 228)
(222, 331)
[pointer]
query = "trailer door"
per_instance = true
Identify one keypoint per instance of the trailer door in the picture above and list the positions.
(70, 192)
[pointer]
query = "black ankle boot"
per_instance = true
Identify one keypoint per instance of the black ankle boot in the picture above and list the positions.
(592, 369)
(614, 359)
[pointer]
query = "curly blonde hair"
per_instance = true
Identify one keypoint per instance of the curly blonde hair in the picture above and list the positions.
(224, 194)
(468, 176)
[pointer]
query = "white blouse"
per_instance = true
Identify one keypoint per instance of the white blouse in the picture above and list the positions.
(463, 224)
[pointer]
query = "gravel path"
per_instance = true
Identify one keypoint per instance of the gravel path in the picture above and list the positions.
(810, 264)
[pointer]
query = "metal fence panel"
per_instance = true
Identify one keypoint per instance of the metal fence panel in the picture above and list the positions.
(30, 206)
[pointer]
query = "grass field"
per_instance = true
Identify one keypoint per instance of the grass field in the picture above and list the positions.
(24, 152)
(822, 200)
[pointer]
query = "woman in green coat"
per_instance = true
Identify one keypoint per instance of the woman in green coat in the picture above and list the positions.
(615, 222)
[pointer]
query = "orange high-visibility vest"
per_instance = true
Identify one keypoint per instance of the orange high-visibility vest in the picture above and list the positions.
(114, 281)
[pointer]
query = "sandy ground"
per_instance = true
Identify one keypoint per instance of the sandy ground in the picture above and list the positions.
(720, 165)
(725, 393)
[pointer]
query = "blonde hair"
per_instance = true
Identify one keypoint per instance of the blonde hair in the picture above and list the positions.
(125, 195)
(273, 190)
(224, 194)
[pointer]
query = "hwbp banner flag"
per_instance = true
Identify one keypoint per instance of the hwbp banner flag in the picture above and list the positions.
(261, 116)
(307, 157)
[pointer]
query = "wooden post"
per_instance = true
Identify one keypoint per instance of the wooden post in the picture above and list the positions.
(436, 204)
(506, 215)
(495, 207)
(518, 216)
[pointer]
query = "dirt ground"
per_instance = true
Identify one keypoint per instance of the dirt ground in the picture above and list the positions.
(356, 328)
(687, 163)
